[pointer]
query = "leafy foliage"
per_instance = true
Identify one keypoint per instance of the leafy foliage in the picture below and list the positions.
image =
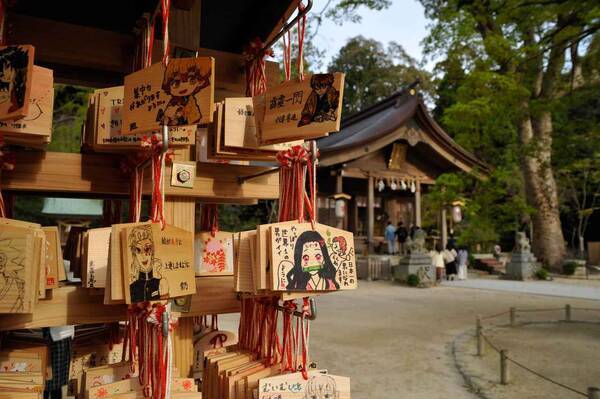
(374, 72)
(70, 107)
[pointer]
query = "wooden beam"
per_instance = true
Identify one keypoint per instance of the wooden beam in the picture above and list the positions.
(100, 175)
(76, 305)
(100, 58)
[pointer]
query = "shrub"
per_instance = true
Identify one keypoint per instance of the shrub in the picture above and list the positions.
(569, 268)
(542, 274)
(413, 280)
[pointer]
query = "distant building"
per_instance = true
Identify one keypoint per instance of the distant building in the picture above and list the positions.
(383, 159)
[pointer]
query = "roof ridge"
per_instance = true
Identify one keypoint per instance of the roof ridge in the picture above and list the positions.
(385, 103)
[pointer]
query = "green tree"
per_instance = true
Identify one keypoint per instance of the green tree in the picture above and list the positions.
(70, 107)
(515, 54)
(374, 72)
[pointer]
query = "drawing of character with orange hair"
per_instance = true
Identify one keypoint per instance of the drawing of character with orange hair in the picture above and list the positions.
(183, 79)
(323, 101)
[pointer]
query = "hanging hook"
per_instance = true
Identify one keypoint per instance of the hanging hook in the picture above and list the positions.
(286, 27)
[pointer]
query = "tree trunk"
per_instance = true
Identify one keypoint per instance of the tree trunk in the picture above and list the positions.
(548, 242)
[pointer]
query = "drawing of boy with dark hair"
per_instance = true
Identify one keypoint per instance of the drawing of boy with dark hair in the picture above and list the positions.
(182, 81)
(322, 102)
(7, 279)
(13, 76)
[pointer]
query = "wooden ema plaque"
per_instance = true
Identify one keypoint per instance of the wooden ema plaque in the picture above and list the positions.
(96, 263)
(108, 121)
(15, 81)
(38, 120)
(18, 278)
(158, 264)
(239, 131)
(54, 259)
(180, 94)
(214, 255)
(294, 386)
(304, 259)
(301, 110)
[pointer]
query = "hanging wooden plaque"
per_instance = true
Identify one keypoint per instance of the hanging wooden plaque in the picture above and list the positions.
(294, 386)
(180, 94)
(108, 109)
(15, 81)
(240, 130)
(244, 261)
(54, 258)
(301, 110)
(18, 283)
(214, 255)
(97, 250)
(304, 259)
(117, 285)
(158, 264)
(38, 121)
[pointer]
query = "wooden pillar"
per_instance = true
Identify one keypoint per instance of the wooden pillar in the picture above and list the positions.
(418, 205)
(444, 228)
(339, 183)
(180, 212)
(370, 211)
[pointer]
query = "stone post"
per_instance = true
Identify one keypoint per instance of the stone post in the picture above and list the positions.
(593, 393)
(513, 316)
(567, 312)
(478, 332)
(504, 372)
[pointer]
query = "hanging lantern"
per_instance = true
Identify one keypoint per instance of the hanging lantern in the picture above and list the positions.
(413, 186)
(380, 185)
(403, 184)
(456, 211)
(394, 186)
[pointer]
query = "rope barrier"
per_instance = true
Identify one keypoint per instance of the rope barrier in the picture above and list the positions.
(494, 316)
(546, 378)
(522, 366)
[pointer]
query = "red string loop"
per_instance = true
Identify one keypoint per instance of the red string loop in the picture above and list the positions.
(256, 76)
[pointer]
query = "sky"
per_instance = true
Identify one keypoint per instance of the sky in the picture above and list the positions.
(403, 22)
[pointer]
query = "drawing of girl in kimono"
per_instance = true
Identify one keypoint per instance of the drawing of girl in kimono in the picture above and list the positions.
(146, 280)
(313, 269)
(182, 81)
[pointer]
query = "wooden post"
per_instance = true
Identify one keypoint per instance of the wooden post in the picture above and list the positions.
(370, 212)
(504, 372)
(567, 312)
(513, 316)
(478, 332)
(418, 205)
(339, 182)
(444, 228)
(593, 393)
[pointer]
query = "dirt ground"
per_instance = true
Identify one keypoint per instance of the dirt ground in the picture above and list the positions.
(397, 342)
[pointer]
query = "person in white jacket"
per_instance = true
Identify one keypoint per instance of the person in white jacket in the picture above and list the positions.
(437, 261)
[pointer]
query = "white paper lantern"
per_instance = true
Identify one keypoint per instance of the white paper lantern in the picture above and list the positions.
(380, 185)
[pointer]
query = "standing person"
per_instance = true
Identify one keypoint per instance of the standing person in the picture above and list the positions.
(437, 261)
(402, 234)
(462, 259)
(390, 236)
(450, 262)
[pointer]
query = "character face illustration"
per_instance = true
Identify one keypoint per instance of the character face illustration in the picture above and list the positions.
(321, 387)
(184, 84)
(321, 88)
(312, 257)
(143, 251)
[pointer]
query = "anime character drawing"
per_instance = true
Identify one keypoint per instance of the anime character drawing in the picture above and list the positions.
(14, 62)
(146, 280)
(322, 102)
(312, 269)
(9, 279)
(321, 386)
(182, 81)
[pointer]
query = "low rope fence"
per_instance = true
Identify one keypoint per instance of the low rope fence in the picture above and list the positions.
(505, 359)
